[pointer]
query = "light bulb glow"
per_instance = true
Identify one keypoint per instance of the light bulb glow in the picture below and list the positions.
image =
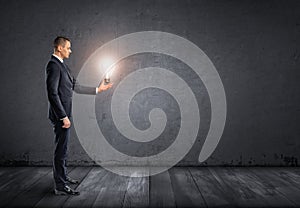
(108, 66)
(106, 62)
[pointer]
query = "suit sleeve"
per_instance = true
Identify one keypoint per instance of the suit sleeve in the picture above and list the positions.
(80, 89)
(52, 82)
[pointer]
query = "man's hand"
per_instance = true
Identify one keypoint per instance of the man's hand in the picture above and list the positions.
(102, 87)
(67, 123)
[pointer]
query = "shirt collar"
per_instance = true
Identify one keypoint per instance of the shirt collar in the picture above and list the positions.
(60, 59)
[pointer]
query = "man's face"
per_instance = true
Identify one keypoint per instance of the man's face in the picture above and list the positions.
(66, 50)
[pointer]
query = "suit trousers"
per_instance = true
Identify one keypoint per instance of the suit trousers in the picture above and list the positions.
(62, 136)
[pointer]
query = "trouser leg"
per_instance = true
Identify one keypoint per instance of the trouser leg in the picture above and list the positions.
(62, 136)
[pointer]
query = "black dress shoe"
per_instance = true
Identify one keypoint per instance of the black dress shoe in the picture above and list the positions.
(72, 181)
(66, 191)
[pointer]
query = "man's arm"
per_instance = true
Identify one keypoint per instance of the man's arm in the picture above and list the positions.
(80, 89)
(90, 90)
(52, 81)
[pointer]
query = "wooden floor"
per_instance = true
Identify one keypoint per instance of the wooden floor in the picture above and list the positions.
(178, 187)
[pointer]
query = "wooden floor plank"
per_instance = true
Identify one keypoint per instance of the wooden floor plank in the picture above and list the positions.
(89, 189)
(50, 200)
(178, 187)
(5, 173)
(288, 190)
(31, 196)
(241, 194)
(112, 191)
(290, 175)
(185, 190)
(137, 193)
(161, 192)
(294, 170)
(21, 183)
(212, 191)
(266, 192)
(12, 174)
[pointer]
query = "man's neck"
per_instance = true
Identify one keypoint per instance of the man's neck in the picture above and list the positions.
(59, 57)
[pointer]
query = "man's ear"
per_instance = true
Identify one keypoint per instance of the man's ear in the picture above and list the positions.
(59, 48)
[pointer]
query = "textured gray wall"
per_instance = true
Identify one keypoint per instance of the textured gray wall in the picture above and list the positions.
(254, 45)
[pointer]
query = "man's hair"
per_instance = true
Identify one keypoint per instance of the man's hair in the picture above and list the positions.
(60, 40)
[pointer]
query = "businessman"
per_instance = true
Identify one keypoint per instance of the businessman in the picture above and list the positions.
(60, 85)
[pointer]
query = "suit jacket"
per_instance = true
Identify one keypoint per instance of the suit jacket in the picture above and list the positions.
(60, 85)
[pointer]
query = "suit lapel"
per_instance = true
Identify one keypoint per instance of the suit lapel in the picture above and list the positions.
(68, 71)
(65, 67)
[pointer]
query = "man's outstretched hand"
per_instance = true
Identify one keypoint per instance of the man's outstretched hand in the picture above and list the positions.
(102, 87)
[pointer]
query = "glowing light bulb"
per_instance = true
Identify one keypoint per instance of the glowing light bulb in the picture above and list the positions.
(107, 65)
(107, 77)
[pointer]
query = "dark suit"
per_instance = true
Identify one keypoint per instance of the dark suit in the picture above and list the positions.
(60, 85)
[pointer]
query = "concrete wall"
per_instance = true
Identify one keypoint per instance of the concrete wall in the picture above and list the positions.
(254, 45)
